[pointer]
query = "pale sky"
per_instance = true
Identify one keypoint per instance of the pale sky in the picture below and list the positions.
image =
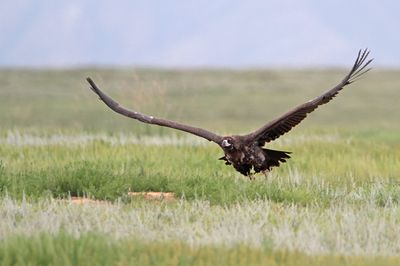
(238, 34)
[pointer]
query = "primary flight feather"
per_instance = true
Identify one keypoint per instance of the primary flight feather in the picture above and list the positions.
(247, 153)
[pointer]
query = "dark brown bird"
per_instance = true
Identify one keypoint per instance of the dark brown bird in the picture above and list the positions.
(246, 153)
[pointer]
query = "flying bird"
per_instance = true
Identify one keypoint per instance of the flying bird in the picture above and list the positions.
(246, 153)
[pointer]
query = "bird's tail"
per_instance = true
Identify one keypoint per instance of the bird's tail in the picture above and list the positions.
(274, 158)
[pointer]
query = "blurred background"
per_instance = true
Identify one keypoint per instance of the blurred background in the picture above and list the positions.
(238, 34)
(229, 66)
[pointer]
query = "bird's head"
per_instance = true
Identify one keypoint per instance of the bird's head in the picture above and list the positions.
(227, 143)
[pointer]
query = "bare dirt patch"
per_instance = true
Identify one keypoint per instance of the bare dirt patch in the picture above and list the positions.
(166, 196)
(154, 196)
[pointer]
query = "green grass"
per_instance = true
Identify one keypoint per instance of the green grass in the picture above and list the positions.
(97, 250)
(321, 166)
(224, 101)
(363, 229)
(335, 202)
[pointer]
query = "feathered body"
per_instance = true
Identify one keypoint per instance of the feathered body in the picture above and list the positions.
(245, 157)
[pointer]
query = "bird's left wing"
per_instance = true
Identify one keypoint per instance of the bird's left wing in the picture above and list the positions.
(287, 121)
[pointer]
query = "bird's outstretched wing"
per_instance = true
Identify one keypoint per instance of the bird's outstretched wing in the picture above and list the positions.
(287, 121)
(150, 119)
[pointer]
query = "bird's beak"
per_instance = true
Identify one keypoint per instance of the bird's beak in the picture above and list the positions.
(225, 143)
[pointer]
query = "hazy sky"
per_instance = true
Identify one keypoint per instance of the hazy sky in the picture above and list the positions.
(198, 33)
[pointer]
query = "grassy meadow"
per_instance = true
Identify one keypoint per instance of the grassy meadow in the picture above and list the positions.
(337, 201)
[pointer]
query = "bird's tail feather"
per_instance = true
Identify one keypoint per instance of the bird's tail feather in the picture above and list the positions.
(274, 158)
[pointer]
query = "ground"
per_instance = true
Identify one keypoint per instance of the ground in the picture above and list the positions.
(336, 201)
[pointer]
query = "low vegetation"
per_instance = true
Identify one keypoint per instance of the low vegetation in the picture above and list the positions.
(335, 202)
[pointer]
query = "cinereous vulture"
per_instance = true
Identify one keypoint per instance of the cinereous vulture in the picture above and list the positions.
(246, 152)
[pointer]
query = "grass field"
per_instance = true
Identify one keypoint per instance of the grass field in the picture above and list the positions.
(337, 201)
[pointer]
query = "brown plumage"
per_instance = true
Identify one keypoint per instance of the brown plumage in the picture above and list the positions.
(246, 153)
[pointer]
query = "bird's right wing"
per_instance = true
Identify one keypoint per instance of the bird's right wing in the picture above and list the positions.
(113, 105)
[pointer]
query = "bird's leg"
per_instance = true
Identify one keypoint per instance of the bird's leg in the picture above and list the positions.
(266, 172)
(251, 176)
